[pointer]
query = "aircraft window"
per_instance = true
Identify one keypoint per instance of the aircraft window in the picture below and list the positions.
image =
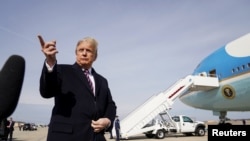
(233, 70)
(238, 68)
(243, 67)
(248, 65)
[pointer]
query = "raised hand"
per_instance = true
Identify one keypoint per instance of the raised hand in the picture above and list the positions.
(49, 50)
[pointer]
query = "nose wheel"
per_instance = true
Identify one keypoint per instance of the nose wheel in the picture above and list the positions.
(223, 118)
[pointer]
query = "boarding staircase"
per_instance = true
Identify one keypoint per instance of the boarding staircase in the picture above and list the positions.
(134, 122)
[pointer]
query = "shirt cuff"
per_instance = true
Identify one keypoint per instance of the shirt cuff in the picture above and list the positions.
(50, 69)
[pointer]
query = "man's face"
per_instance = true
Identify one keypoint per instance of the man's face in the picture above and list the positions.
(85, 55)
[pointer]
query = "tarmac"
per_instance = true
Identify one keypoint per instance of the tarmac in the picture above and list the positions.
(41, 133)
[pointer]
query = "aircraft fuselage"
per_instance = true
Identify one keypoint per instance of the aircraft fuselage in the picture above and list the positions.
(231, 64)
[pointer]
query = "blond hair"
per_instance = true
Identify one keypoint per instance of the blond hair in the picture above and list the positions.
(90, 40)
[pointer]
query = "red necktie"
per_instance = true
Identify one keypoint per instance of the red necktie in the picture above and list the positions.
(86, 72)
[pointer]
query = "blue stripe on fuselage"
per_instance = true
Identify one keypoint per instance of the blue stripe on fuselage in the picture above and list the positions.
(224, 64)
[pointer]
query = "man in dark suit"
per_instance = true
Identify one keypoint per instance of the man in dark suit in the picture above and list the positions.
(117, 128)
(83, 105)
(10, 127)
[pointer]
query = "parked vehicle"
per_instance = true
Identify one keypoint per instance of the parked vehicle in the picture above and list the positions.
(177, 124)
(33, 126)
(29, 127)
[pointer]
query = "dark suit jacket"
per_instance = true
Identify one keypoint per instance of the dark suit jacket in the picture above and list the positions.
(11, 128)
(117, 124)
(75, 105)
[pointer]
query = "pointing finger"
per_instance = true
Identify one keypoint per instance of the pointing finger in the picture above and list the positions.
(41, 40)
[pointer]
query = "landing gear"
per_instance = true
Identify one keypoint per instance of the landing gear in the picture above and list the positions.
(223, 118)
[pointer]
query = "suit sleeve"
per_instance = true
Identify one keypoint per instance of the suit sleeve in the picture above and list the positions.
(49, 82)
(111, 110)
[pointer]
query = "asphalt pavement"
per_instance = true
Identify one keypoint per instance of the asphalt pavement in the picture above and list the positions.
(41, 133)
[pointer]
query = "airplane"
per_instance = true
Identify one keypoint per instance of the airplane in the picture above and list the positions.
(230, 64)
(219, 83)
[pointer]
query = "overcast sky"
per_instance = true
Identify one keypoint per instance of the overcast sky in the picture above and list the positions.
(144, 45)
